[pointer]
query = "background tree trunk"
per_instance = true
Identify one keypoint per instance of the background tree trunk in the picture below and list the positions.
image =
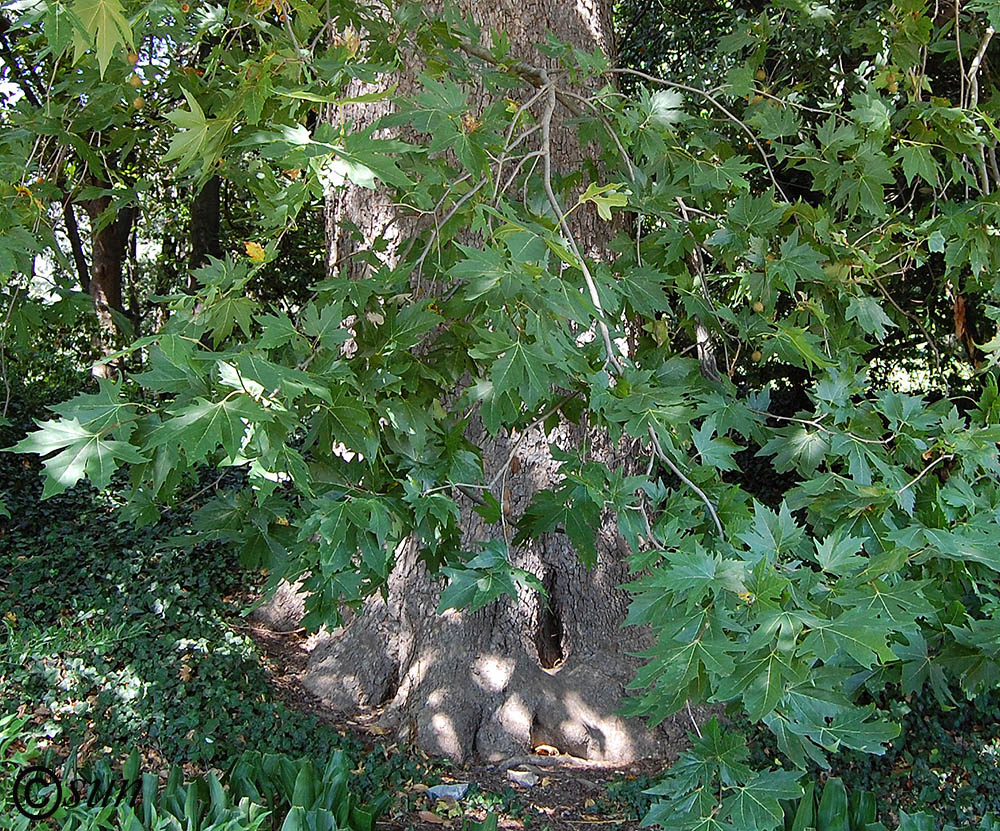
(205, 230)
(517, 673)
(109, 245)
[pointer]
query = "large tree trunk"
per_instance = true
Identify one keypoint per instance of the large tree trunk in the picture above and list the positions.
(516, 674)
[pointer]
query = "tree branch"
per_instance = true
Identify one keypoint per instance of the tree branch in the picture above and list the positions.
(17, 71)
(718, 105)
(73, 232)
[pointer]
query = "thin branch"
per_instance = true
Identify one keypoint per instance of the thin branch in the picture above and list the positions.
(706, 350)
(534, 75)
(691, 716)
(18, 73)
(973, 76)
(925, 471)
(588, 278)
(513, 450)
(958, 51)
(824, 429)
(718, 105)
(680, 475)
(540, 78)
(444, 221)
(914, 318)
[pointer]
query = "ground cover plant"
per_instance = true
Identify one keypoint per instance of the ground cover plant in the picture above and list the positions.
(132, 632)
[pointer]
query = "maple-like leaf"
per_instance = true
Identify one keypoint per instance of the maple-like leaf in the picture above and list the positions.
(104, 28)
(199, 136)
(201, 426)
(82, 452)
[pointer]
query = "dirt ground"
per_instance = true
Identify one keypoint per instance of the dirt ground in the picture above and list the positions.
(564, 799)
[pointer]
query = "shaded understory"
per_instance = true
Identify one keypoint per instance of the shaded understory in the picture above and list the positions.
(115, 638)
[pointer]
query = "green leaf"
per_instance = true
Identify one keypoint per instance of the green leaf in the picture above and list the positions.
(230, 310)
(199, 137)
(838, 554)
(798, 261)
(755, 805)
(82, 452)
(795, 344)
(798, 447)
(325, 323)
(276, 331)
(761, 680)
(919, 161)
(832, 812)
(99, 411)
(851, 727)
(576, 514)
(483, 270)
(202, 426)
(605, 197)
(350, 422)
(305, 12)
(104, 26)
(665, 108)
(772, 534)
(59, 25)
(980, 544)
(854, 632)
(484, 579)
(715, 452)
(803, 818)
(523, 369)
(870, 315)
(643, 288)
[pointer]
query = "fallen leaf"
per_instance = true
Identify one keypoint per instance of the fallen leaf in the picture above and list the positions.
(430, 816)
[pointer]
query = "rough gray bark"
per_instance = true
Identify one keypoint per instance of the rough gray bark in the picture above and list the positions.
(516, 674)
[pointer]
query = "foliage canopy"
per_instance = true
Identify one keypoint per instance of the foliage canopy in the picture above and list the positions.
(824, 214)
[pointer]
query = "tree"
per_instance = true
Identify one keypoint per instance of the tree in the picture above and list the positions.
(763, 231)
(532, 668)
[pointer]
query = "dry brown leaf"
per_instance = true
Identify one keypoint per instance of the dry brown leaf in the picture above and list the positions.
(430, 816)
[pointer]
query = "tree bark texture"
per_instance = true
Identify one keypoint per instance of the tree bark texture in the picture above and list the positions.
(515, 674)
(205, 226)
(109, 245)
